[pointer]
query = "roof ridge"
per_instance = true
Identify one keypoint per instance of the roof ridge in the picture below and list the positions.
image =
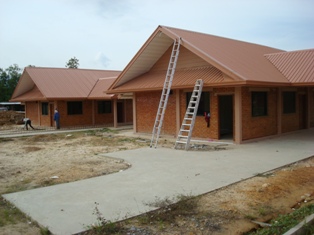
(220, 37)
(290, 52)
(103, 70)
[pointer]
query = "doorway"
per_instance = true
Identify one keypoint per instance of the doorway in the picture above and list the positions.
(120, 111)
(225, 107)
(302, 111)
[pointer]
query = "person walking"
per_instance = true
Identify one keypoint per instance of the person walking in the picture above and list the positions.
(28, 122)
(56, 118)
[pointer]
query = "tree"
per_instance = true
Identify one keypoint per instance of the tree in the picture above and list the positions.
(8, 81)
(72, 63)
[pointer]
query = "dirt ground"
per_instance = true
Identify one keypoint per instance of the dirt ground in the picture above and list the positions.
(37, 161)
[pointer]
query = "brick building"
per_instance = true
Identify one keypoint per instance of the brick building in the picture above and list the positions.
(251, 91)
(78, 94)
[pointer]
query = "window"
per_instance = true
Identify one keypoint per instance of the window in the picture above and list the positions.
(75, 107)
(104, 107)
(204, 104)
(44, 108)
(259, 104)
(289, 102)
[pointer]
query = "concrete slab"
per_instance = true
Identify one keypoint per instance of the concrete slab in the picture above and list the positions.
(156, 173)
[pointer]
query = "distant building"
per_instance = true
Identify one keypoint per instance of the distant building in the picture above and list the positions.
(78, 94)
(13, 106)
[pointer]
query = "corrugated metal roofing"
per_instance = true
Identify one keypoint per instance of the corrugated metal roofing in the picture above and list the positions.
(32, 95)
(240, 60)
(183, 78)
(296, 66)
(61, 83)
(100, 88)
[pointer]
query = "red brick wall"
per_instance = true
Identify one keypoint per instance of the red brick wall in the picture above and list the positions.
(129, 110)
(291, 121)
(102, 118)
(255, 127)
(146, 109)
(311, 109)
(31, 112)
(34, 112)
(75, 120)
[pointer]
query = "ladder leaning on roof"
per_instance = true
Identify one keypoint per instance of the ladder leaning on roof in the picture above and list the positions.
(165, 92)
(186, 129)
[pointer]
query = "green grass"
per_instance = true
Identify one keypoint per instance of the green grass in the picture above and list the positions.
(283, 223)
(9, 214)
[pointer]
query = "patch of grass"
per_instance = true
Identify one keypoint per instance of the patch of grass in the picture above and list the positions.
(102, 225)
(283, 223)
(42, 138)
(250, 217)
(266, 175)
(9, 214)
(45, 231)
(264, 210)
(6, 140)
(18, 186)
(170, 209)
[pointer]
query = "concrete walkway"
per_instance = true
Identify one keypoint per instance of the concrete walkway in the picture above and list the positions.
(156, 173)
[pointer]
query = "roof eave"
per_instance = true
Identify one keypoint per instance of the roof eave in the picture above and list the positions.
(219, 84)
(137, 55)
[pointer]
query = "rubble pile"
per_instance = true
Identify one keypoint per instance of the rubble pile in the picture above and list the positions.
(11, 117)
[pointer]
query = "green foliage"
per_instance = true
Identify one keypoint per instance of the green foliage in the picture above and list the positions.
(44, 231)
(73, 63)
(9, 214)
(283, 223)
(8, 80)
(102, 225)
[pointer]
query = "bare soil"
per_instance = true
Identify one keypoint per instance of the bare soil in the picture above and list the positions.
(37, 161)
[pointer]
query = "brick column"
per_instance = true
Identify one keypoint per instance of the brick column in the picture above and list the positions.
(238, 115)
(115, 113)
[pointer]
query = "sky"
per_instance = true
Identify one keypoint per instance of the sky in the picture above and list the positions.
(106, 34)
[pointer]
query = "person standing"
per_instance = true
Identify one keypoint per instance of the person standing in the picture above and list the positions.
(56, 118)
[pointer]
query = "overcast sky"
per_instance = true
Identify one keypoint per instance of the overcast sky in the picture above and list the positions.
(106, 34)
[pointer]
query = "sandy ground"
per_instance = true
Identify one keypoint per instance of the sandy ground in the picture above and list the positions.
(37, 161)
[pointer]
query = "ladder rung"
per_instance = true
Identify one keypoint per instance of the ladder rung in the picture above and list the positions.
(182, 136)
(181, 142)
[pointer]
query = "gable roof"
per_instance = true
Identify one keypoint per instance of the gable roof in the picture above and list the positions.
(61, 83)
(240, 63)
(296, 66)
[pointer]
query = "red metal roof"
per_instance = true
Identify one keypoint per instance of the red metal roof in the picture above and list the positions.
(61, 83)
(32, 95)
(183, 78)
(100, 88)
(296, 66)
(243, 62)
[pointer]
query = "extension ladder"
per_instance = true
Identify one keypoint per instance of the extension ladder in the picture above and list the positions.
(165, 92)
(186, 129)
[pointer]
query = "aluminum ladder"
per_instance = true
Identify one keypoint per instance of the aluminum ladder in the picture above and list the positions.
(165, 92)
(188, 122)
